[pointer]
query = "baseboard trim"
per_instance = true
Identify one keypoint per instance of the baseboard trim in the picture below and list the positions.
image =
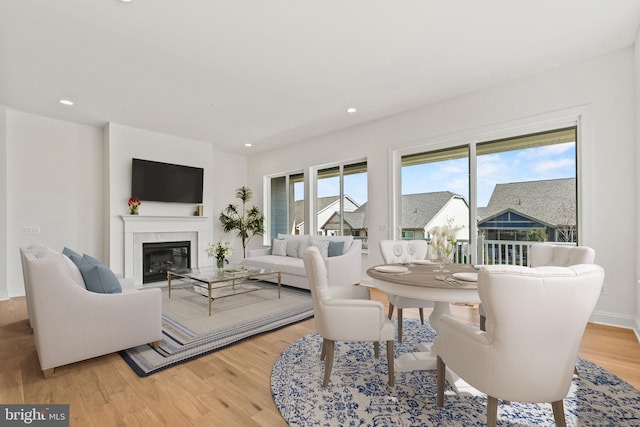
(617, 320)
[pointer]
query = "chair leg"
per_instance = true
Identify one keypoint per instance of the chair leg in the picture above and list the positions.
(48, 373)
(440, 378)
(421, 310)
(390, 314)
(390, 362)
(399, 325)
(376, 349)
(483, 323)
(328, 363)
(323, 352)
(156, 344)
(558, 413)
(492, 411)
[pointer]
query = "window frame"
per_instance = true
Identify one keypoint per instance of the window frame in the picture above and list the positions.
(579, 117)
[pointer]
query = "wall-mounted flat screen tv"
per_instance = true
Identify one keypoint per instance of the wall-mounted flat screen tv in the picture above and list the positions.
(166, 182)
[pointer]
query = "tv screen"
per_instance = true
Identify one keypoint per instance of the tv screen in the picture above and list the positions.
(166, 182)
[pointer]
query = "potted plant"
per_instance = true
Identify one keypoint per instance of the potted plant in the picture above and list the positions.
(245, 222)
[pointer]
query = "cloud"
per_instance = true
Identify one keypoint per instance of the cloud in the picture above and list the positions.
(551, 165)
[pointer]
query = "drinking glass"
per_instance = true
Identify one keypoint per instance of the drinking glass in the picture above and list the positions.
(397, 251)
(411, 250)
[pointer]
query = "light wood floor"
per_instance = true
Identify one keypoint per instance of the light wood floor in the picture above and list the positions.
(230, 387)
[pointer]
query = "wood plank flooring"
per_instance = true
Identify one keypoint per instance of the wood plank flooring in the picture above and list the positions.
(230, 387)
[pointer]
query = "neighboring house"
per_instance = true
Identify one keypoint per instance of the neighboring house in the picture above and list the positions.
(420, 212)
(517, 208)
(327, 206)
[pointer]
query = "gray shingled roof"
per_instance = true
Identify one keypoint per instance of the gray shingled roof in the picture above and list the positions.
(419, 209)
(323, 202)
(552, 201)
(357, 220)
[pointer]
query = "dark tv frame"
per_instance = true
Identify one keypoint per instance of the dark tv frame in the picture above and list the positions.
(166, 182)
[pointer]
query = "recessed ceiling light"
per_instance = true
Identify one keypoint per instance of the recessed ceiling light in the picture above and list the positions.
(65, 102)
(248, 145)
(126, 1)
(351, 110)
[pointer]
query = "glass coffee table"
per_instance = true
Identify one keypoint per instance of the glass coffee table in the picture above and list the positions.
(221, 283)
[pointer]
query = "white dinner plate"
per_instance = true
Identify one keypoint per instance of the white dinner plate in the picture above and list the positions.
(424, 262)
(469, 277)
(391, 269)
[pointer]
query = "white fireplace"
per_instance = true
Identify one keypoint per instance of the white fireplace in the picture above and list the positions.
(139, 229)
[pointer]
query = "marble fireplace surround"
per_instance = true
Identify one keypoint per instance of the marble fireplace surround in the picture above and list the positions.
(139, 229)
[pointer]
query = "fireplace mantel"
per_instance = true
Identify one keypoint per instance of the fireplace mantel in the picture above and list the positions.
(148, 228)
(142, 223)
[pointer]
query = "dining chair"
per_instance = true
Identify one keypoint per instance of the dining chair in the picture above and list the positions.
(420, 248)
(544, 254)
(345, 313)
(521, 356)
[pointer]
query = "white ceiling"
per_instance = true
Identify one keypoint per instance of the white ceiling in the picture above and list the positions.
(272, 72)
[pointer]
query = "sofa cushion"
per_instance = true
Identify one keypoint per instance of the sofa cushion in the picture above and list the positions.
(302, 239)
(292, 247)
(322, 245)
(289, 265)
(286, 265)
(73, 255)
(279, 247)
(335, 248)
(74, 272)
(98, 277)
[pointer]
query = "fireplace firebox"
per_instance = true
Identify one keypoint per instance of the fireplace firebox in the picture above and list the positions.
(160, 257)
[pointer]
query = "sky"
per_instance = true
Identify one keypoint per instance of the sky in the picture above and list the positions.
(532, 164)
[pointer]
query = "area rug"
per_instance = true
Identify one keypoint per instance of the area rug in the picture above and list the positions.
(358, 394)
(188, 332)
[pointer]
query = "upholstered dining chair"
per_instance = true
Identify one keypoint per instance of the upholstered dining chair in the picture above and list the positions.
(345, 313)
(541, 254)
(521, 356)
(420, 251)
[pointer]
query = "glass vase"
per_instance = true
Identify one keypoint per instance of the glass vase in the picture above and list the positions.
(220, 263)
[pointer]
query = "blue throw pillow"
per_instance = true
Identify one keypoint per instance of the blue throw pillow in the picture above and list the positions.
(73, 255)
(98, 277)
(335, 248)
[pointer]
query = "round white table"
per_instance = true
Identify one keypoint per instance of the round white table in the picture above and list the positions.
(421, 282)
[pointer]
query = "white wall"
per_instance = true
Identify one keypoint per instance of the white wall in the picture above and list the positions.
(637, 179)
(54, 181)
(603, 86)
(4, 276)
(223, 174)
(73, 182)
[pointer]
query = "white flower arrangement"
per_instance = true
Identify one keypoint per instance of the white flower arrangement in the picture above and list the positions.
(220, 251)
(443, 240)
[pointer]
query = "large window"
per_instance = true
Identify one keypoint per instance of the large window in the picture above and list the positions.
(286, 213)
(523, 189)
(341, 202)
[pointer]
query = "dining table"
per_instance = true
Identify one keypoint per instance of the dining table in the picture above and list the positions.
(422, 280)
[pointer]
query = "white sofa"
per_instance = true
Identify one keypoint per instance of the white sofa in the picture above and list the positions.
(71, 323)
(344, 269)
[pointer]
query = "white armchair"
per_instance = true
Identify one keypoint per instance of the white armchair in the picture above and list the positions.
(71, 323)
(522, 356)
(542, 254)
(399, 302)
(345, 313)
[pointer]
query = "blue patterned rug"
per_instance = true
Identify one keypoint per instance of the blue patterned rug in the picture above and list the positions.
(358, 394)
(188, 332)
